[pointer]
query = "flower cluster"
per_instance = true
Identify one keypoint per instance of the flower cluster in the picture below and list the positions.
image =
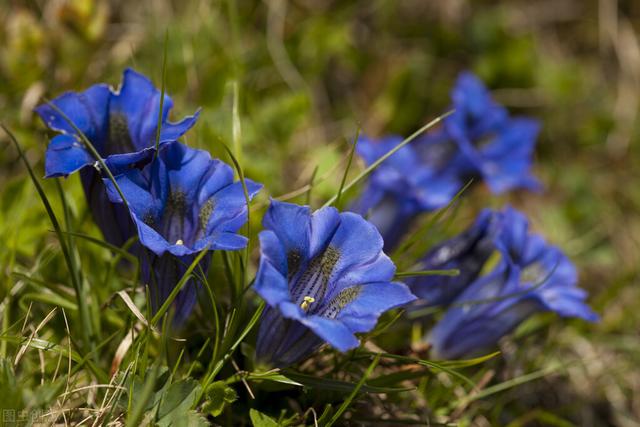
(323, 275)
(529, 276)
(179, 201)
(121, 125)
(479, 141)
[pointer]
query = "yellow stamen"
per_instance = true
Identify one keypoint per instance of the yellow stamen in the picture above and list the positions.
(306, 301)
(179, 242)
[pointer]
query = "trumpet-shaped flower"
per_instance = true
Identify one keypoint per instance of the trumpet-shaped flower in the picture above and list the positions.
(479, 140)
(490, 144)
(324, 277)
(121, 125)
(467, 252)
(532, 276)
(405, 184)
(182, 203)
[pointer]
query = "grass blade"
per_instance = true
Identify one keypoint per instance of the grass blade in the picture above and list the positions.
(506, 385)
(422, 362)
(162, 92)
(89, 146)
(311, 182)
(353, 394)
(452, 273)
(346, 169)
(174, 292)
(247, 199)
(236, 123)
(209, 379)
(406, 245)
(85, 319)
(119, 251)
(326, 384)
(377, 163)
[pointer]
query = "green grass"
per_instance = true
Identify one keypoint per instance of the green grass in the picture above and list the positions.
(287, 86)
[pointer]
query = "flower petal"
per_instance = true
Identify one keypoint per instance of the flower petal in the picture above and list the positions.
(65, 155)
(87, 110)
(138, 101)
(357, 241)
(324, 223)
(229, 212)
(332, 331)
(373, 299)
(270, 284)
(291, 224)
(272, 251)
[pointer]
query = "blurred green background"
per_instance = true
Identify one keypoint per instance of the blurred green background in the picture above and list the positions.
(308, 73)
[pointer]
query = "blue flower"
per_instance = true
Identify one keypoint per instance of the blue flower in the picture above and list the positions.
(182, 203)
(490, 144)
(121, 125)
(411, 181)
(531, 276)
(467, 252)
(479, 140)
(324, 277)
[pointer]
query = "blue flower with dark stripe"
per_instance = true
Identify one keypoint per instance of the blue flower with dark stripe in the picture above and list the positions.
(531, 276)
(324, 277)
(121, 125)
(181, 203)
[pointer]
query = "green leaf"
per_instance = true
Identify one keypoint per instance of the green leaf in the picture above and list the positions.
(10, 390)
(211, 376)
(505, 385)
(452, 273)
(218, 395)
(187, 419)
(436, 366)
(143, 394)
(258, 419)
(273, 376)
(464, 363)
(51, 299)
(397, 377)
(337, 385)
(176, 401)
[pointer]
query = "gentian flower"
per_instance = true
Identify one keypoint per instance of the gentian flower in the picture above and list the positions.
(182, 203)
(121, 125)
(467, 252)
(404, 185)
(479, 140)
(324, 277)
(532, 276)
(490, 144)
